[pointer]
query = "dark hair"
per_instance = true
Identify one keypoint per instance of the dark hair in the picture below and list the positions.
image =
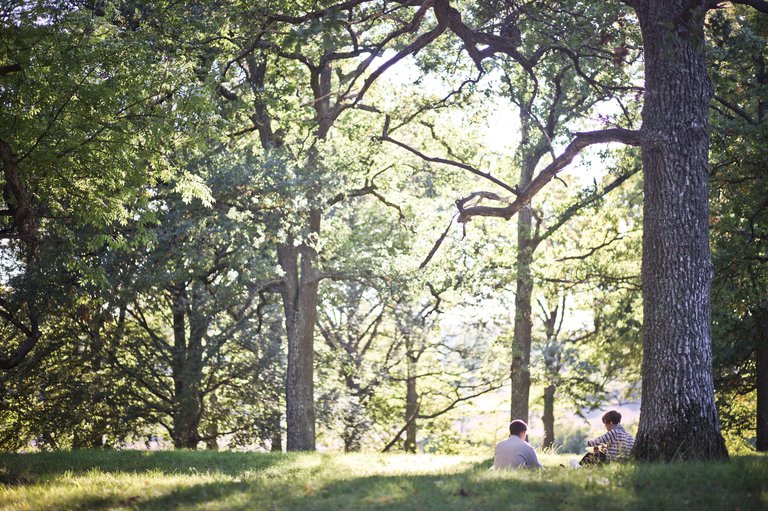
(613, 417)
(517, 426)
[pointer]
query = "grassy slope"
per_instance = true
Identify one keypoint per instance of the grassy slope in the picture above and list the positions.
(255, 481)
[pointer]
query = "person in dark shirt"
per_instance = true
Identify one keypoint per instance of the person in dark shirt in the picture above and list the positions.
(617, 442)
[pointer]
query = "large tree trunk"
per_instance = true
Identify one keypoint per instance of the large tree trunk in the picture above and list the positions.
(761, 339)
(300, 304)
(678, 418)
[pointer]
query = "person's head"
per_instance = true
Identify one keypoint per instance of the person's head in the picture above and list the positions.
(518, 428)
(611, 419)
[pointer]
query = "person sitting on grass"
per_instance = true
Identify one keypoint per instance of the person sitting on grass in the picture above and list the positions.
(618, 443)
(515, 452)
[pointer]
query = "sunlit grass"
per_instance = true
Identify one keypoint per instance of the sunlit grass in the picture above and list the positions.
(264, 481)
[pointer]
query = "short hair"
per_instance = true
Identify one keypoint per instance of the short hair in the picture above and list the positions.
(612, 416)
(517, 426)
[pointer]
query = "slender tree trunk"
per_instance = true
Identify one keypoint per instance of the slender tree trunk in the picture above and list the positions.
(212, 431)
(678, 418)
(761, 339)
(276, 443)
(212, 440)
(353, 428)
(520, 373)
(552, 358)
(411, 404)
(355, 423)
(549, 416)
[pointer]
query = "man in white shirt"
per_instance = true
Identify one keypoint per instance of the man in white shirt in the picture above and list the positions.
(515, 452)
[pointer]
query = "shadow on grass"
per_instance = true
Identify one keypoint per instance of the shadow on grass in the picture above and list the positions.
(738, 484)
(741, 484)
(472, 488)
(198, 496)
(21, 469)
(327, 482)
(462, 491)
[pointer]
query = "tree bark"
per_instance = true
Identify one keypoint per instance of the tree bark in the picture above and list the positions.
(411, 404)
(548, 418)
(520, 373)
(300, 304)
(355, 422)
(187, 368)
(761, 339)
(678, 418)
(353, 426)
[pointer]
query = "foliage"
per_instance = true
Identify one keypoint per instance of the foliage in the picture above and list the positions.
(738, 207)
(168, 151)
(590, 274)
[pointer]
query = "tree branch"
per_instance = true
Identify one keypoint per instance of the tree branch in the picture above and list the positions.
(437, 244)
(591, 251)
(574, 208)
(581, 141)
(12, 68)
(458, 400)
(760, 5)
(408, 422)
(386, 138)
(736, 109)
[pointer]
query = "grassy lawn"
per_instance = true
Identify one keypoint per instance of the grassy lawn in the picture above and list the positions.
(260, 481)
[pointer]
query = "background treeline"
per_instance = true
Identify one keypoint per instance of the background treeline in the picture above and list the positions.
(236, 222)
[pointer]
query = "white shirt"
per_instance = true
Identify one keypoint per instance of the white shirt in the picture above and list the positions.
(514, 452)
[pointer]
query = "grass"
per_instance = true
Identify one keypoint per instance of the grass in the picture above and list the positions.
(118, 480)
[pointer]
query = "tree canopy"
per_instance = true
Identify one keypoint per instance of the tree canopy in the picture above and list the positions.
(345, 221)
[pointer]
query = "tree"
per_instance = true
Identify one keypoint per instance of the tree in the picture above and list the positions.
(192, 326)
(78, 85)
(439, 368)
(564, 107)
(678, 417)
(294, 74)
(591, 279)
(551, 98)
(738, 207)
